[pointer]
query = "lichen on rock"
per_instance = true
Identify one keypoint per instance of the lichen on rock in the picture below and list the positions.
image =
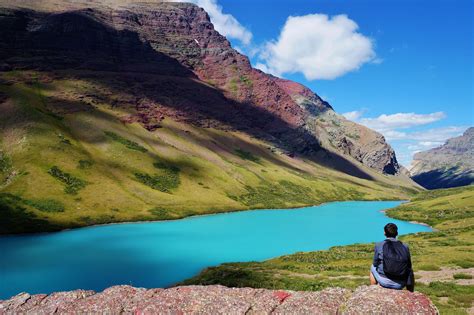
(217, 299)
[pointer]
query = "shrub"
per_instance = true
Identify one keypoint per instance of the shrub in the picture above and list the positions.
(166, 180)
(45, 205)
(464, 263)
(275, 195)
(354, 136)
(462, 276)
(73, 184)
(128, 143)
(5, 162)
(161, 182)
(163, 214)
(233, 87)
(163, 166)
(85, 164)
(245, 155)
(245, 80)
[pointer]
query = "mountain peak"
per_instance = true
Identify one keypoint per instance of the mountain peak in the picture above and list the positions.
(469, 132)
(449, 165)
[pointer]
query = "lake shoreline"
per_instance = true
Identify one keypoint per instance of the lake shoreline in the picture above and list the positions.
(193, 216)
(412, 221)
(163, 254)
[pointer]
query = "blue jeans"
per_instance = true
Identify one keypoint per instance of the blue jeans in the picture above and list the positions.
(384, 281)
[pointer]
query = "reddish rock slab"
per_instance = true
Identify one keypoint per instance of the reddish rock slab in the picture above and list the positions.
(218, 299)
(327, 301)
(378, 300)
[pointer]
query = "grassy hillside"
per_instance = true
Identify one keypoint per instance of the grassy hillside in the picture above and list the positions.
(69, 160)
(446, 254)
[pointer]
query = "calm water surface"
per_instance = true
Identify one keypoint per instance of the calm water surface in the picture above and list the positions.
(159, 254)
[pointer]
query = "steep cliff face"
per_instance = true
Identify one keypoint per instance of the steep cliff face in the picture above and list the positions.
(178, 39)
(185, 33)
(341, 135)
(450, 165)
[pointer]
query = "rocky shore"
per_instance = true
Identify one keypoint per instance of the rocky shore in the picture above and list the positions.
(218, 299)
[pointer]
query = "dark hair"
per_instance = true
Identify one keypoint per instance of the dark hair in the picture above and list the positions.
(391, 230)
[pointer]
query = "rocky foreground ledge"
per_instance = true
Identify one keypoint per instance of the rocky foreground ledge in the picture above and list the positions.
(217, 299)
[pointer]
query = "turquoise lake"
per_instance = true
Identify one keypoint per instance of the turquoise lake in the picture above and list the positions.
(159, 254)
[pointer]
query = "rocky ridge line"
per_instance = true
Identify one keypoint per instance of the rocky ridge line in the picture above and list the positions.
(218, 299)
(450, 165)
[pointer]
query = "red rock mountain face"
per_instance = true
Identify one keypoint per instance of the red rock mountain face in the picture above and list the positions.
(172, 63)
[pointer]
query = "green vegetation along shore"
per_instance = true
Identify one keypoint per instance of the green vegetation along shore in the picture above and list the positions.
(443, 259)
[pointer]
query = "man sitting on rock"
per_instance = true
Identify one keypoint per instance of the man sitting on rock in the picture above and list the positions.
(392, 262)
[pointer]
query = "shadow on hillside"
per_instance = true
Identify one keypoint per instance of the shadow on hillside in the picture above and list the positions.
(445, 178)
(156, 85)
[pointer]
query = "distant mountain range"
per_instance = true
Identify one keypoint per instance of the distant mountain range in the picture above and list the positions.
(449, 165)
(121, 110)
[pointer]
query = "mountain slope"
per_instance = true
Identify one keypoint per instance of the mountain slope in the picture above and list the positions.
(450, 165)
(184, 33)
(112, 115)
(211, 57)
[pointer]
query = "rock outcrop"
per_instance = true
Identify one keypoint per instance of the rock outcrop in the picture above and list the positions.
(450, 165)
(217, 299)
(179, 40)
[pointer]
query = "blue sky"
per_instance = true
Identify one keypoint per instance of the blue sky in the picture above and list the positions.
(404, 68)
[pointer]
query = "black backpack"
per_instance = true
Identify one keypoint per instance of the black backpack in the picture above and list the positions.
(396, 260)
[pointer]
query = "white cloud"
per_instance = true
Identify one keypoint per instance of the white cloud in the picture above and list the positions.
(377, 61)
(407, 144)
(239, 49)
(262, 67)
(430, 143)
(427, 137)
(397, 129)
(326, 98)
(401, 120)
(435, 135)
(354, 115)
(424, 145)
(394, 134)
(224, 23)
(319, 46)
